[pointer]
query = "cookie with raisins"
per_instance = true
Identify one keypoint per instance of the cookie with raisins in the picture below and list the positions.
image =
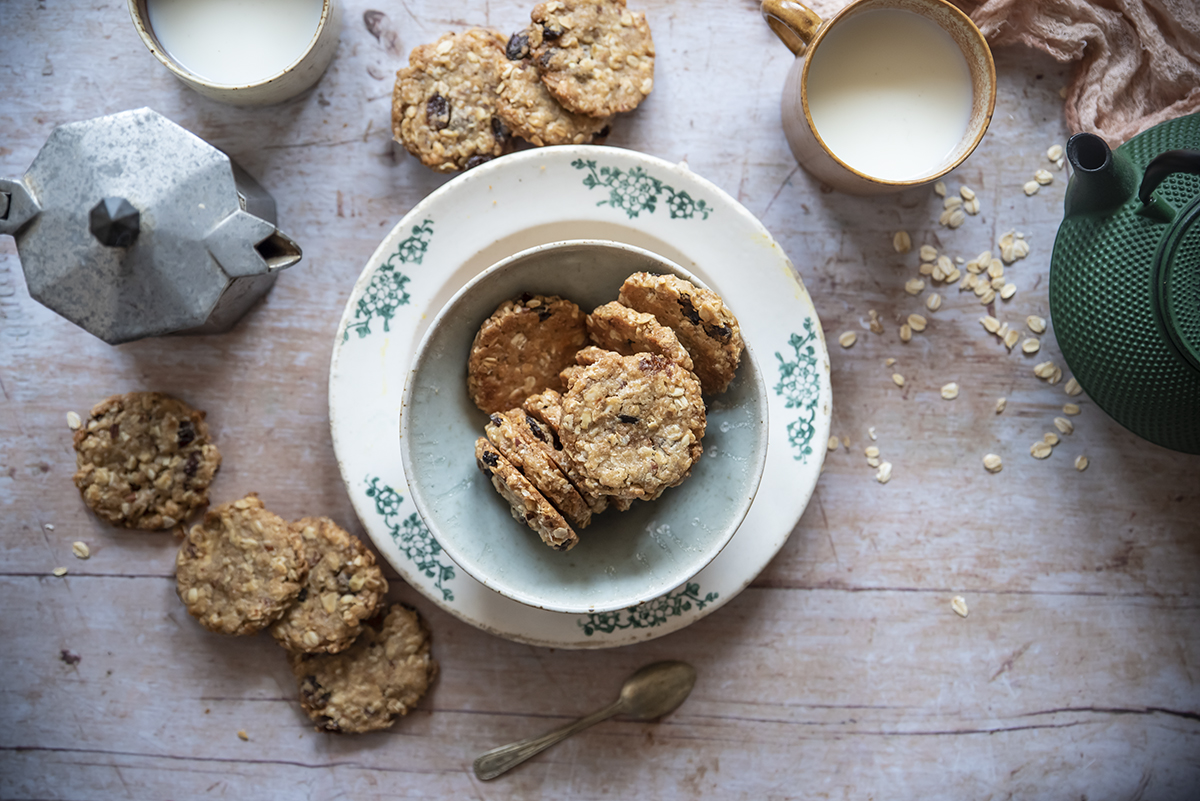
(379, 678)
(445, 106)
(344, 587)
(532, 113)
(241, 568)
(144, 460)
(619, 328)
(528, 444)
(596, 57)
(698, 317)
(527, 505)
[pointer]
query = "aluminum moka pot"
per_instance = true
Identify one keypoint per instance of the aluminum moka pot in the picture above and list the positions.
(131, 227)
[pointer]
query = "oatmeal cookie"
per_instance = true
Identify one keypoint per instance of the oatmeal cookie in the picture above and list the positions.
(445, 105)
(699, 318)
(344, 587)
(528, 506)
(596, 57)
(532, 113)
(521, 348)
(241, 568)
(634, 424)
(381, 676)
(547, 408)
(621, 329)
(145, 460)
(529, 446)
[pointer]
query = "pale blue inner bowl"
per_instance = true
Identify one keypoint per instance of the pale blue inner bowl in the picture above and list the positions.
(623, 558)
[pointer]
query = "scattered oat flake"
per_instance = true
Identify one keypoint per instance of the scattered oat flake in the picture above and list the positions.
(993, 463)
(242, 734)
(1036, 324)
(871, 433)
(967, 192)
(59, 571)
(876, 326)
(1064, 425)
(1031, 187)
(1070, 408)
(957, 218)
(1040, 449)
(933, 302)
(950, 391)
(898, 379)
(871, 452)
(847, 339)
(914, 286)
(1001, 404)
(49, 527)
(990, 323)
(905, 332)
(917, 322)
(1072, 387)
(940, 188)
(833, 443)
(1031, 345)
(1054, 153)
(1081, 463)
(889, 361)
(1050, 438)
(952, 202)
(81, 550)
(972, 206)
(1044, 369)
(988, 296)
(1010, 338)
(926, 268)
(928, 253)
(1043, 177)
(1008, 290)
(73, 421)
(953, 276)
(884, 474)
(959, 605)
(901, 241)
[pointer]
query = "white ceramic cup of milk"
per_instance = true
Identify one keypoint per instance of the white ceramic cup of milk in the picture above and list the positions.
(886, 94)
(243, 52)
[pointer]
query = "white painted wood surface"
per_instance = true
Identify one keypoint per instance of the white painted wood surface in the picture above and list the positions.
(840, 673)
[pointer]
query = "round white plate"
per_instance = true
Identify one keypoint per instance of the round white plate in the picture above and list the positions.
(548, 195)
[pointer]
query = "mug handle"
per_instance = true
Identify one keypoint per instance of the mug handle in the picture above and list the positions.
(794, 23)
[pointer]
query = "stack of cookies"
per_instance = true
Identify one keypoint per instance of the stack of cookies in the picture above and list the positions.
(318, 589)
(145, 460)
(587, 412)
(463, 99)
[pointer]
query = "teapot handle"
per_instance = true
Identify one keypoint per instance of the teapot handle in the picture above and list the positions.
(1163, 166)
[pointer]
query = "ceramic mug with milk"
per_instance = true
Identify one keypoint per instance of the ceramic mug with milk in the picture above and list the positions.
(886, 94)
(243, 52)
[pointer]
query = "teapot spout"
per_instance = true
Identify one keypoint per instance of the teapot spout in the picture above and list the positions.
(279, 251)
(1103, 179)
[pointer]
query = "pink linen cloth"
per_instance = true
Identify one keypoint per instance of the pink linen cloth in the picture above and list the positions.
(1138, 60)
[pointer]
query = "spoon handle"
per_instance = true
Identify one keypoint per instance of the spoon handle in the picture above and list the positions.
(492, 763)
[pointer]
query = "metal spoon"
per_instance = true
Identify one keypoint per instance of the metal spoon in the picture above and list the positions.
(651, 692)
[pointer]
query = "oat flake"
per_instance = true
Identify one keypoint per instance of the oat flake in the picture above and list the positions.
(81, 550)
(1081, 463)
(1036, 324)
(959, 605)
(1040, 449)
(73, 421)
(928, 253)
(1031, 188)
(993, 463)
(950, 391)
(59, 571)
(847, 339)
(898, 379)
(1064, 425)
(1050, 438)
(1072, 387)
(902, 242)
(1031, 345)
(884, 474)
(832, 444)
(871, 452)
(1001, 404)
(1070, 408)
(933, 302)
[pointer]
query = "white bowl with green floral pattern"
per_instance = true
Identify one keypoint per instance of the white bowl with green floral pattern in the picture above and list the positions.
(622, 558)
(548, 195)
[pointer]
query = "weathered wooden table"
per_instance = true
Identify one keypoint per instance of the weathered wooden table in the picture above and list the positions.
(841, 672)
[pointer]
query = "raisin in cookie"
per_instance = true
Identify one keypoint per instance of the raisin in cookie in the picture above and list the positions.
(699, 318)
(445, 105)
(344, 587)
(532, 113)
(521, 348)
(527, 505)
(240, 569)
(381, 676)
(634, 424)
(528, 445)
(145, 460)
(619, 328)
(596, 57)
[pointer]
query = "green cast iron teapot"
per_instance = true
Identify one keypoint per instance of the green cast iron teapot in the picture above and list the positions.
(1125, 279)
